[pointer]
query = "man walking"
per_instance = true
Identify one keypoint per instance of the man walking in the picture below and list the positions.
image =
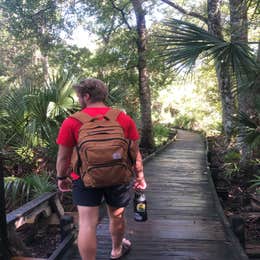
(91, 95)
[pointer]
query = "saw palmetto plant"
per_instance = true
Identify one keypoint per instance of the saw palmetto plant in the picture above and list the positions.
(20, 190)
(185, 42)
(251, 129)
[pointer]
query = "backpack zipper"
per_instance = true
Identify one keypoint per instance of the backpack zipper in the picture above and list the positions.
(102, 140)
(105, 165)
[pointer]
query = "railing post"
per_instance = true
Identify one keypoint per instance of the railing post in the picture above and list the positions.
(4, 245)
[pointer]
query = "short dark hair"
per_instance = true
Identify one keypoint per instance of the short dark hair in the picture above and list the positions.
(97, 89)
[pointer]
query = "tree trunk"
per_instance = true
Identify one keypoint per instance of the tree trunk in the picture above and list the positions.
(238, 20)
(256, 90)
(43, 44)
(147, 140)
(45, 67)
(258, 54)
(222, 71)
(239, 34)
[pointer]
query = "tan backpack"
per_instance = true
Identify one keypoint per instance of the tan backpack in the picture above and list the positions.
(103, 156)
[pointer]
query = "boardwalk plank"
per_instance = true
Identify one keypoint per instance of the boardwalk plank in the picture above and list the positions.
(183, 221)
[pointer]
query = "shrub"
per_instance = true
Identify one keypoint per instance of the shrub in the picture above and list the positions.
(20, 190)
(184, 121)
(161, 134)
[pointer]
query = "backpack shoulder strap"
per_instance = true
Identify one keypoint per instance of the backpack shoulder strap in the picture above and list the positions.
(112, 114)
(82, 117)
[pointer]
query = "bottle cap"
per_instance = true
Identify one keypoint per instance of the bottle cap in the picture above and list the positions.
(139, 191)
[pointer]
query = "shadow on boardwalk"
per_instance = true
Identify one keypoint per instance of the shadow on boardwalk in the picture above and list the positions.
(183, 218)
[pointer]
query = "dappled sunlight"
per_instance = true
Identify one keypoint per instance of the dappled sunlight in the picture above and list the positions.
(186, 72)
(184, 105)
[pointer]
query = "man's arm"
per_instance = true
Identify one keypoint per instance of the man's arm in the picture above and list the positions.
(140, 182)
(64, 155)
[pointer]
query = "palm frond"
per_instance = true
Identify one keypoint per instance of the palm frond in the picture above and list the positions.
(13, 115)
(257, 103)
(185, 42)
(246, 121)
(21, 190)
(31, 115)
(39, 184)
(16, 191)
(255, 182)
(251, 132)
(61, 94)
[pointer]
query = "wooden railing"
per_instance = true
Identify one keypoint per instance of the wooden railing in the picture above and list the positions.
(44, 210)
(4, 252)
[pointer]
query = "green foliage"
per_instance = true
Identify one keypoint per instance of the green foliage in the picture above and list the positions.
(25, 153)
(38, 21)
(184, 42)
(17, 64)
(255, 183)
(20, 190)
(71, 58)
(231, 163)
(255, 180)
(115, 64)
(184, 121)
(231, 169)
(192, 103)
(106, 16)
(31, 115)
(232, 156)
(159, 76)
(251, 126)
(29, 29)
(161, 133)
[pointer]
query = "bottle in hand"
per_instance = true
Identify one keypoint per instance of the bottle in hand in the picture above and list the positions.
(140, 206)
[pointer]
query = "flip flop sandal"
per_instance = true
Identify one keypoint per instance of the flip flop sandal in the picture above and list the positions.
(125, 250)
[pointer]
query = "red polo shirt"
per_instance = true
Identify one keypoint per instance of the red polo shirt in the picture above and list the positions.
(68, 134)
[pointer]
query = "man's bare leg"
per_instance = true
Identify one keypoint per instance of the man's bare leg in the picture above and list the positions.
(117, 228)
(87, 241)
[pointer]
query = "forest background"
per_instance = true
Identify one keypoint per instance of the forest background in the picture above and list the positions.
(186, 64)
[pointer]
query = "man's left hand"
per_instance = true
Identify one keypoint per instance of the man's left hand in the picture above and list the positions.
(65, 185)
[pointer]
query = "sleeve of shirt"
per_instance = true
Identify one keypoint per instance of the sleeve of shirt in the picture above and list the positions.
(67, 135)
(129, 126)
(133, 132)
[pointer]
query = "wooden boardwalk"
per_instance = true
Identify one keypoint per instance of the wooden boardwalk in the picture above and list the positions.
(184, 221)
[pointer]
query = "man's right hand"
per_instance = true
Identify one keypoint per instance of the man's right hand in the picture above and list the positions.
(140, 184)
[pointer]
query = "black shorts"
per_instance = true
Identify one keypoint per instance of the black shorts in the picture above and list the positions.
(115, 196)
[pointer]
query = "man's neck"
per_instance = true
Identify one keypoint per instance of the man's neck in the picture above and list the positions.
(96, 104)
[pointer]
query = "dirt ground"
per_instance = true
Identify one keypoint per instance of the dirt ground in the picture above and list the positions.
(239, 200)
